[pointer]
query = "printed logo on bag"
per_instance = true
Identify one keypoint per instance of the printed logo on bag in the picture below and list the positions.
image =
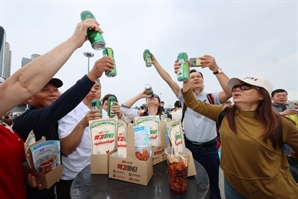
(121, 138)
(178, 139)
(102, 136)
(153, 134)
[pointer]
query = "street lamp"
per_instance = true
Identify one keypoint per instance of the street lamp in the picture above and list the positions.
(89, 55)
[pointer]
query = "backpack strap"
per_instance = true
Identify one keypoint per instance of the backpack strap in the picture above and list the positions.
(183, 112)
(221, 116)
(210, 98)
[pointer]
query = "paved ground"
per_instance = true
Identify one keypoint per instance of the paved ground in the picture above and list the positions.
(221, 184)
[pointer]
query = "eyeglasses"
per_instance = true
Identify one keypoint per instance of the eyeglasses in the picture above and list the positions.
(281, 95)
(244, 87)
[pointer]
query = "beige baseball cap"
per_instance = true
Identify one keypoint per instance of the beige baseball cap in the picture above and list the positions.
(255, 80)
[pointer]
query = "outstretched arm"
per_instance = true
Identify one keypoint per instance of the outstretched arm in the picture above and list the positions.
(31, 78)
(134, 99)
(209, 110)
(209, 61)
(165, 76)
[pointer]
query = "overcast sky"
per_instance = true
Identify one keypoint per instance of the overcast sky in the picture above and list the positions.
(245, 37)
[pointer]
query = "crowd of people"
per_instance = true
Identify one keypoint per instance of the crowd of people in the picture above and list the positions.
(255, 136)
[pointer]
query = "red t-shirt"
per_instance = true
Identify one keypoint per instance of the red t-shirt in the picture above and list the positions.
(11, 171)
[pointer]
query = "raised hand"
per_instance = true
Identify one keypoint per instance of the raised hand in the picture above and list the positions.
(101, 65)
(80, 34)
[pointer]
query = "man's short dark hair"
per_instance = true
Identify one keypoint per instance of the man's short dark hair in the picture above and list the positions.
(106, 97)
(194, 70)
(162, 102)
(177, 104)
(278, 91)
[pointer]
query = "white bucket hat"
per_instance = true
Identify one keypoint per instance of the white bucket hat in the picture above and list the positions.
(252, 80)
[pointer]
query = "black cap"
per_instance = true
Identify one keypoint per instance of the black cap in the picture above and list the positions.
(56, 82)
(177, 104)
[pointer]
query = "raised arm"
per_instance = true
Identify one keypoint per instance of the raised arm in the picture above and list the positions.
(209, 61)
(134, 99)
(31, 78)
(165, 76)
(209, 110)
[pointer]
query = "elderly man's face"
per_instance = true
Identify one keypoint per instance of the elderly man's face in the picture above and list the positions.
(46, 96)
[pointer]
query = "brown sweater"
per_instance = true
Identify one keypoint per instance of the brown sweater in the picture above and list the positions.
(253, 168)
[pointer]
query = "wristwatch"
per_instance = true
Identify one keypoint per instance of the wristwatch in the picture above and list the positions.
(218, 71)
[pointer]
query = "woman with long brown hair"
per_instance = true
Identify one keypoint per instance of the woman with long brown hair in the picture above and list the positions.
(252, 138)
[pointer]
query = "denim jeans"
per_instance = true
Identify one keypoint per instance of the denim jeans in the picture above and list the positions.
(230, 192)
(208, 158)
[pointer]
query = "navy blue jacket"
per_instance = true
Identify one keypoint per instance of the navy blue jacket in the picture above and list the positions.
(44, 122)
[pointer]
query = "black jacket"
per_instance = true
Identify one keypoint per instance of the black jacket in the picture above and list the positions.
(44, 122)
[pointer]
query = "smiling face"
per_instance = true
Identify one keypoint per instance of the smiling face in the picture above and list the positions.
(46, 96)
(196, 80)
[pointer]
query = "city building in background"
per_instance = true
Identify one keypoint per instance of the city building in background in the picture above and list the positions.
(23, 106)
(27, 60)
(2, 49)
(34, 56)
(7, 61)
(5, 55)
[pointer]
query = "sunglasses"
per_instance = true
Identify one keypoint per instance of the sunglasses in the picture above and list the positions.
(244, 87)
